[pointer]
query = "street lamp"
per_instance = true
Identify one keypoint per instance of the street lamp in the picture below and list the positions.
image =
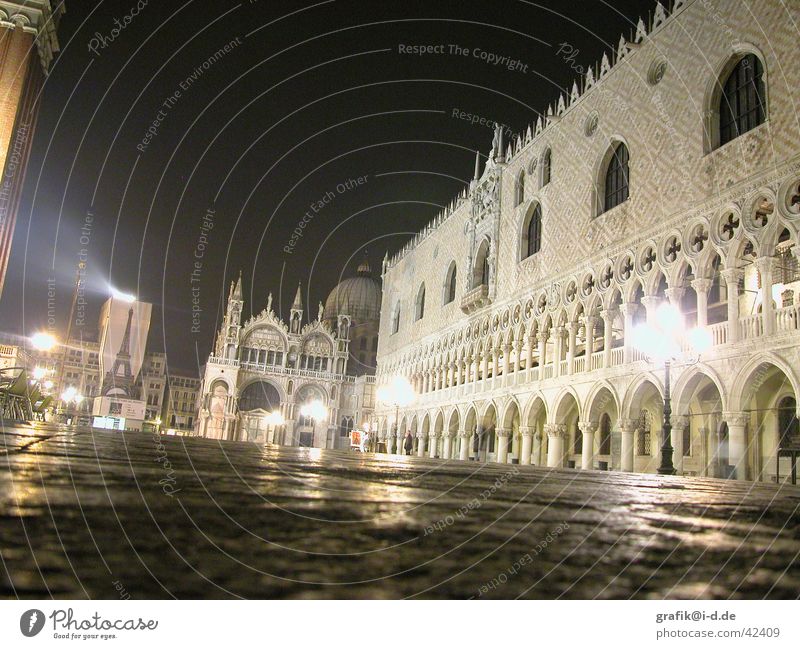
(399, 392)
(661, 343)
(43, 341)
(274, 419)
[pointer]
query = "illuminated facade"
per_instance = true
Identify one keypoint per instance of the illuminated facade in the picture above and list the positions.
(667, 174)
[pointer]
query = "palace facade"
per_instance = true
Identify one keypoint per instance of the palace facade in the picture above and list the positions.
(670, 173)
(265, 367)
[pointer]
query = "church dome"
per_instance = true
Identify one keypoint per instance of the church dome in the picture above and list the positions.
(359, 297)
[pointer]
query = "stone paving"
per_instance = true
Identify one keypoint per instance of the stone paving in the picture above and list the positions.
(98, 514)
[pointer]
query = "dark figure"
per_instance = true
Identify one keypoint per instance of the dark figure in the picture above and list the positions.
(409, 445)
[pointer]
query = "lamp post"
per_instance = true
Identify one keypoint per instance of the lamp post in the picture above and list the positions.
(399, 392)
(661, 342)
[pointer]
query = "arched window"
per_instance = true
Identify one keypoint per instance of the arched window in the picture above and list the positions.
(617, 178)
(450, 284)
(546, 160)
(520, 188)
(419, 305)
(396, 318)
(480, 272)
(741, 106)
(532, 234)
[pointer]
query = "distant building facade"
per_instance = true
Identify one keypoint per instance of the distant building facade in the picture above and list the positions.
(669, 174)
(265, 365)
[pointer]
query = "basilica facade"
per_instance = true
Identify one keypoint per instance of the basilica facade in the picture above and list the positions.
(305, 382)
(669, 174)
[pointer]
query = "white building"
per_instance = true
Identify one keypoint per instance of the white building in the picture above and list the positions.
(669, 173)
(265, 367)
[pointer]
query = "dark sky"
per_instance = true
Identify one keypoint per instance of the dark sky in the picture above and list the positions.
(309, 96)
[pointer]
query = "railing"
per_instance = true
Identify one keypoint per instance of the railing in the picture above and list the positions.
(719, 333)
(751, 326)
(579, 364)
(617, 356)
(232, 362)
(597, 360)
(787, 318)
(547, 371)
(475, 298)
(562, 368)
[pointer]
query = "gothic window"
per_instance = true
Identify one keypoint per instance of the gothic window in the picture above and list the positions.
(396, 318)
(450, 284)
(480, 273)
(419, 305)
(546, 160)
(532, 237)
(519, 193)
(741, 106)
(643, 434)
(616, 180)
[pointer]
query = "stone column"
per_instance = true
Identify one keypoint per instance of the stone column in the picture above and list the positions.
(557, 345)
(765, 266)
(591, 321)
(536, 453)
(587, 450)
(701, 287)
(389, 441)
(627, 429)
(529, 359)
(555, 444)
(447, 441)
(679, 424)
(506, 359)
(485, 364)
(463, 451)
(732, 277)
(651, 303)
(542, 351)
(628, 311)
(433, 444)
(608, 335)
(572, 330)
(527, 444)
(502, 445)
(703, 432)
(675, 295)
(421, 444)
(400, 440)
(737, 442)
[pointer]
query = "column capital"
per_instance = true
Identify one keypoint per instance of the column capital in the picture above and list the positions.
(526, 431)
(628, 425)
(732, 275)
(502, 432)
(462, 433)
(555, 430)
(572, 327)
(765, 264)
(651, 300)
(432, 434)
(608, 314)
(702, 285)
(674, 294)
(591, 321)
(735, 418)
(679, 422)
(587, 426)
(629, 308)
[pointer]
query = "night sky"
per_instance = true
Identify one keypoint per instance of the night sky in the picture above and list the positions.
(150, 129)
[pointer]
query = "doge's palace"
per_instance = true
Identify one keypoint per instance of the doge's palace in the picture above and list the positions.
(664, 176)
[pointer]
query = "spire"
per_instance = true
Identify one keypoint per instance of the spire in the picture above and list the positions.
(237, 292)
(297, 305)
(477, 165)
(500, 154)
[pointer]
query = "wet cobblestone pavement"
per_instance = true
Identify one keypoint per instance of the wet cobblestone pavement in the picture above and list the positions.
(84, 514)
